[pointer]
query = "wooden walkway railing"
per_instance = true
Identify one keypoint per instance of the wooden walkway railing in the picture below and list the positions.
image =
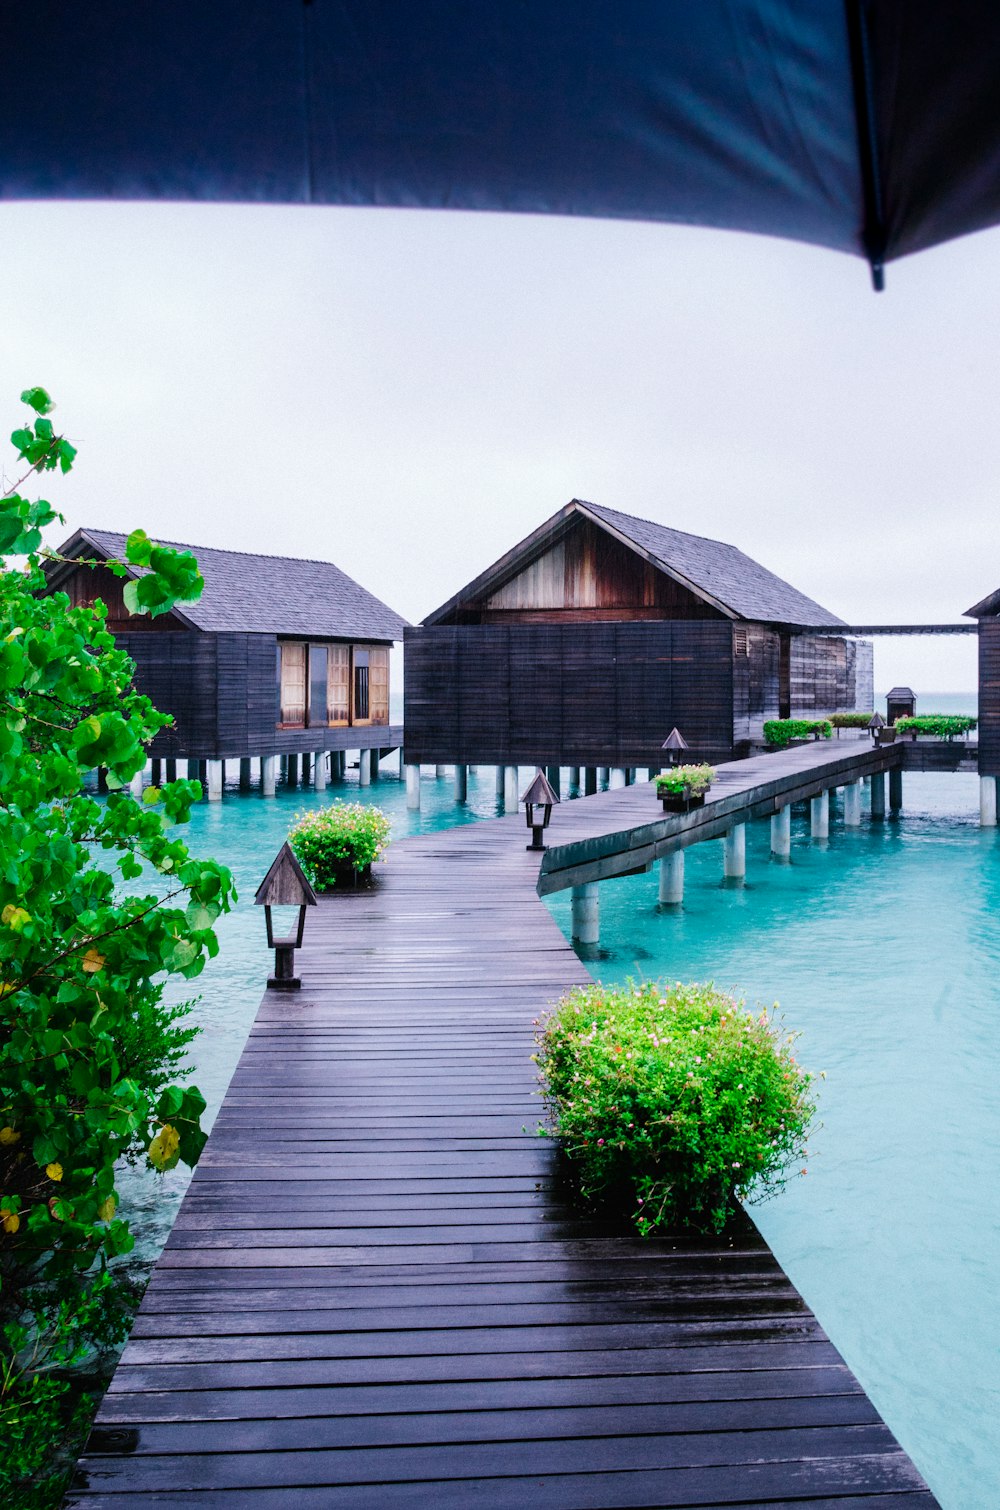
(374, 1295)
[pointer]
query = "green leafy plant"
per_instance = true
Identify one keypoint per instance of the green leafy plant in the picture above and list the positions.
(780, 731)
(690, 779)
(851, 720)
(342, 837)
(672, 1102)
(943, 725)
(87, 1049)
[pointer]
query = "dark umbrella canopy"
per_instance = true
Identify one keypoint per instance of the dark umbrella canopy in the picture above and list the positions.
(866, 127)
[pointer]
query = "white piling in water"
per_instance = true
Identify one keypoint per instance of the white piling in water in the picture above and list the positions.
(734, 853)
(781, 832)
(413, 788)
(672, 878)
(988, 801)
(819, 815)
(585, 908)
(852, 804)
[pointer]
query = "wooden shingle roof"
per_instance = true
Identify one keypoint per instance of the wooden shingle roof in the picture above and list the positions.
(264, 594)
(719, 574)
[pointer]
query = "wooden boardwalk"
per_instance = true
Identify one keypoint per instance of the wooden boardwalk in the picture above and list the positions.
(374, 1296)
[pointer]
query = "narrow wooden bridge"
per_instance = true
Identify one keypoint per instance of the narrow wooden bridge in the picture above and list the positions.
(374, 1295)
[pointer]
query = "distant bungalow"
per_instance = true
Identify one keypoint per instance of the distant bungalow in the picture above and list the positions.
(278, 657)
(595, 636)
(987, 613)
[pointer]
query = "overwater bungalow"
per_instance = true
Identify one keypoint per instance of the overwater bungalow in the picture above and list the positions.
(279, 657)
(596, 635)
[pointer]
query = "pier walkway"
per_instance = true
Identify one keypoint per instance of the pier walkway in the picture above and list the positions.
(374, 1295)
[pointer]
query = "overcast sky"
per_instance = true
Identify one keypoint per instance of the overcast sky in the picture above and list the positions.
(408, 393)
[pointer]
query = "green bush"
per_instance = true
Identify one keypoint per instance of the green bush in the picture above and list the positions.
(672, 1102)
(345, 835)
(778, 731)
(693, 779)
(944, 725)
(851, 720)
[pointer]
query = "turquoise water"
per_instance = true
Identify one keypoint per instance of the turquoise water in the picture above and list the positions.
(883, 949)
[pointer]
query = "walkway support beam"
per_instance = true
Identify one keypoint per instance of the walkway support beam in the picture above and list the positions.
(895, 791)
(781, 833)
(413, 788)
(672, 879)
(319, 770)
(878, 794)
(510, 792)
(364, 767)
(819, 815)
(734, 853)
(461, 783)
(852, 804)
(213, 780)
(585, 908)
(988, 801)
(268, 775)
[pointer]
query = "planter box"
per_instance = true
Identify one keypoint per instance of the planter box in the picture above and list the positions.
(350, 877)
(681, 802)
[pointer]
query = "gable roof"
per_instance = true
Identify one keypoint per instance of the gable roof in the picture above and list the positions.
(719, 574)
(986, 608)
(263, 594)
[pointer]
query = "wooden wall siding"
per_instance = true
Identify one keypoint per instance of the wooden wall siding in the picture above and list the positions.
(86, 584)
(823, 676)
(222, 691)
(989, 697)
(864, 674)
(597, 694)
(584, 572)
(756, 663)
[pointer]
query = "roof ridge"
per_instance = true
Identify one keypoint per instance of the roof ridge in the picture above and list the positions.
(656, 523)
(223, 550)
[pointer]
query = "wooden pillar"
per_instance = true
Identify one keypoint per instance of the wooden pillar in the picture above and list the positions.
(781, 832)
(245, 773)
(895, 791)
(734, 853)
(552, 775)
(292, 770)
(156, 772)
(510, 791)
(268, 775)
(461, 783)
(852, 805)
(589, 781)
(364, 767)
(374, 755)
(574, 775)
(672, 879)
(499, 773)
(585, 908)
(603, 775)
(413, 788)
(819, 816)
(171, 770)
(988, 801)
(878, 795)
(440, 771)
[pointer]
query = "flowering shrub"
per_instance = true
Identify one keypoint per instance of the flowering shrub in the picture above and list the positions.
(692, 779)
(944, 725)
(851, 720)
(673, 1102)
(779, 731)
(344, 836)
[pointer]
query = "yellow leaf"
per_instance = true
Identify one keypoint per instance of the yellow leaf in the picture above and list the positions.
(107, 1208)
(14, 917)
(8, 1137)
(9, 1220)
(163, 1149)
(54, 1172)
(93, 961)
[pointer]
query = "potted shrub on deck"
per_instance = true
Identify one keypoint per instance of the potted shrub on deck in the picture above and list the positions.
(337, 845)
(684, 787)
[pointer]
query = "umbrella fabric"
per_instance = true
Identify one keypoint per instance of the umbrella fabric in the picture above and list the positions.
(867, 127)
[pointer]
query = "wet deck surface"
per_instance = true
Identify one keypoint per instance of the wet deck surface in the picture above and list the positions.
(374, 1296)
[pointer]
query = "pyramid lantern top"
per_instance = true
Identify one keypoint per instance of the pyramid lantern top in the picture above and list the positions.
(286, 883)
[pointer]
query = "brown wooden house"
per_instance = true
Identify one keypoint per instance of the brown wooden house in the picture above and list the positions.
(988, 614)
(278, 656)
(593, 637)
